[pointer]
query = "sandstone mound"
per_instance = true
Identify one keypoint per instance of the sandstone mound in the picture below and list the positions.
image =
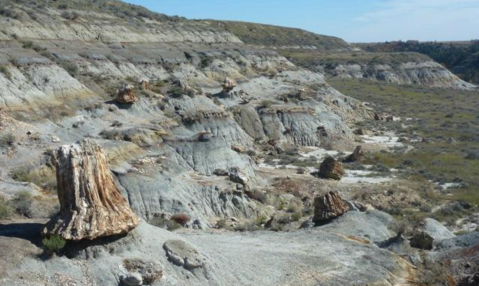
(91, 206)
(328, 207)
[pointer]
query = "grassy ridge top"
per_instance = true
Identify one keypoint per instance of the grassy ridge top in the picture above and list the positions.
(113, 7)
(311, 60)
(268, 35)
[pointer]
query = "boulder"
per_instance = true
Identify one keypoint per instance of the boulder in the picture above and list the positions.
(132, 279)
(91, 206)
(356, 156)
(236, 176)
(182, 254)
(328, 207)
(126, 95)
(331, 169)
(428, 233)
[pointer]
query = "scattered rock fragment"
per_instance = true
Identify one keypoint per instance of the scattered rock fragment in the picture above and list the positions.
(328, 207)
(182, 254)
(331, 169)
(236, 176)
(91, 204)
(141, 272)
(132, 279)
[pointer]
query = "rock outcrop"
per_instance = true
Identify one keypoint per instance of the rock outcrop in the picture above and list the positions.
(331, 169)
(424, 72)
(91, 206)
(328, 207)
(126, 95)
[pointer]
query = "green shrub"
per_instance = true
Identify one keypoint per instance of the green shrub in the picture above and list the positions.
(176, 92)
(5, 209)
(72, 69)
(5, 71)
(28, 45)
(296, 216)
(54, 243)
(22, 203)
(7, 140)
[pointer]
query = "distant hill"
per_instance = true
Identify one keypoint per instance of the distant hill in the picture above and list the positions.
(280, 37)
(462, 58)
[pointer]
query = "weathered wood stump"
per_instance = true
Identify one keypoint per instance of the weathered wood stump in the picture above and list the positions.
(331, 169)
(328, 207)
(228, 85)
(356, 156)
(126, 95)
(91, 206)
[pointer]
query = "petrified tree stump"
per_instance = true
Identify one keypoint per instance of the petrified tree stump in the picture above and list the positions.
(126, 94)
(328, 207)
(228, 85)
(356, 156)
(91, 206)
(331, 169)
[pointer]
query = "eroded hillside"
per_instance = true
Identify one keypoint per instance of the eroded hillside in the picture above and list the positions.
(205, 133)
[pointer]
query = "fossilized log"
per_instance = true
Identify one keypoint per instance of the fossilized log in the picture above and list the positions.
(331, 169)
(328, 207)
(356, 156)
(91, 206)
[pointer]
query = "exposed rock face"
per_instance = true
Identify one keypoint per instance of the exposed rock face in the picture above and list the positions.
(328, 207)
(126, 94)
(427, 73)
(91, 206)
(356, 156)
(331, 169)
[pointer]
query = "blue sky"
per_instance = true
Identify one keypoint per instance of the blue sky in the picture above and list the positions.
(352, 20)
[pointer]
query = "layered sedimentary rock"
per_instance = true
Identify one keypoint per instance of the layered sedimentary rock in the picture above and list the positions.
(328, 207)
(331, 169)
(91, 206)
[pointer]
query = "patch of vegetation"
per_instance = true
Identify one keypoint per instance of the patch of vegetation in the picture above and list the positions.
(5, 209)
(267, 35)
(168, 224)
(43, 177)
(5, 71)
(71, 68)
(54, 244)
(313, 59)
(7, 140)
(176, 92)
(448, 140)
(22, 204)
(118, 8)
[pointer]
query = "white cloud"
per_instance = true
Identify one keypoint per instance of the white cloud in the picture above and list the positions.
(418, 19)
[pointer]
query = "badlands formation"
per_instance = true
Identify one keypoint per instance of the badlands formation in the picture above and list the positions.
(140, 147)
